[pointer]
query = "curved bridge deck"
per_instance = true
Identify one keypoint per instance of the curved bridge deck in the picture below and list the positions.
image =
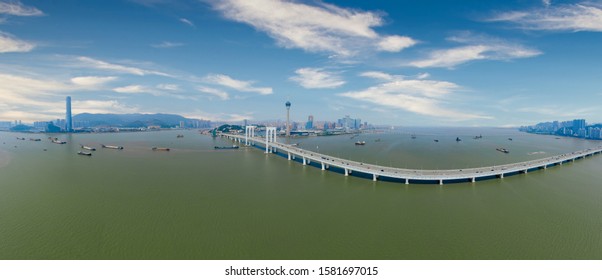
(415, 175)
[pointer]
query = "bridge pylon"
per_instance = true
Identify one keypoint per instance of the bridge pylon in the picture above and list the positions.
(270, 136)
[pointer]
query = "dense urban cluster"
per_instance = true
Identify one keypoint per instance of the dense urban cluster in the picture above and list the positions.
(575, 128)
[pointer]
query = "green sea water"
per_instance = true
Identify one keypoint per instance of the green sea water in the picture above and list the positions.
(195, 202)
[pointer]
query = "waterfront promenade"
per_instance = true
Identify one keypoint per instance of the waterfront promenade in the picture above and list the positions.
(326, 162)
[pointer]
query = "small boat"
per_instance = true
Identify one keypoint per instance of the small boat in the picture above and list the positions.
(88, 148)
(180, 136)
(35, 139)
(413, 136)
(436, 140)
(360, 143)
(56, 141)
(82, 153)
(226, 147)
(20, 138)
(478, 137)
(458, 139)
(505, 151)
(295, 144)
(509, 139)
(112, 147)
(160, 149)
(377, 140)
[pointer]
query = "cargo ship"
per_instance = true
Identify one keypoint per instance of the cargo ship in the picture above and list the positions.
(505, 151)
(160, 149)
(226, 147)
(82, 153)
(112, 147)
(57, 141)
(35, 139)
(88, 148)
(360, 143)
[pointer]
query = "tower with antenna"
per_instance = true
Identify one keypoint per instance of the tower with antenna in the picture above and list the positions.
(288, 118)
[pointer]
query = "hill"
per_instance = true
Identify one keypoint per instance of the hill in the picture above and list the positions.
(137, 120)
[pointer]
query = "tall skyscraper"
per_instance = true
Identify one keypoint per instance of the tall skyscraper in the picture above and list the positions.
(310, 122)
(68, 119)
(288, 118)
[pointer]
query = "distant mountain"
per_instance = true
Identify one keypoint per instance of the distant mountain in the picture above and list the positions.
(136, 120)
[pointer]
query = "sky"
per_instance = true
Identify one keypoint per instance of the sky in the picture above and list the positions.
(410, 63)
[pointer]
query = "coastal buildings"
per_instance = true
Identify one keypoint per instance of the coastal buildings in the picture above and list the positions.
(575, 128)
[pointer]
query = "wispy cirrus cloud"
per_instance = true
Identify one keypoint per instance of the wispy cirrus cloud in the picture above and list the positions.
(317, 78)
(88, 62)
(420, 96)
(16, 8)
(9, 43)
(214, 92)
(167, 45)
(243, 86)
(162, 90)
(584, 16)
(314, 28)
(187, 22)
(475, 48)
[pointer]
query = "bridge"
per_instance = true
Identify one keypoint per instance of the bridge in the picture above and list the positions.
(348, 167)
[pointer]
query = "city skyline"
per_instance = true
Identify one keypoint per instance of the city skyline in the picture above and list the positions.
(498, 63)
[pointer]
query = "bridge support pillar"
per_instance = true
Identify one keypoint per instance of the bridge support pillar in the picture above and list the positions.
(501, 176)
(346, 172)
(526, 170)
(374, 177)
(323, 167)
(270, 136)
(289, 156)
(407, 181)
(304, 161)
(545, 167)
(473, 179)
(440, 182)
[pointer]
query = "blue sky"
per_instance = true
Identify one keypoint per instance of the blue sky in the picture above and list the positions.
(412, 63)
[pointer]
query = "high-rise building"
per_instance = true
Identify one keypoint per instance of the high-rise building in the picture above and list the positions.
(68, 119)
(578, 124)
(310, 122)
(288, 118)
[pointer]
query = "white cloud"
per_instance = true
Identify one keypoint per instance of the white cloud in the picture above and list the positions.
(378, 75)
(103, 65)
(132, 89)
(317, 78)
(8, 43)
(167, 45)
(546, 3)
(424, 97)
(34, 98)
(187, 21)
(220, 116)
(215, 92)
(319, 28)
(395, 43)
(422, 76)
(244, 86)
(169, 87)
(477, 48)
(92, 81)
(163, 90)
(584, 16)
(16, 8)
